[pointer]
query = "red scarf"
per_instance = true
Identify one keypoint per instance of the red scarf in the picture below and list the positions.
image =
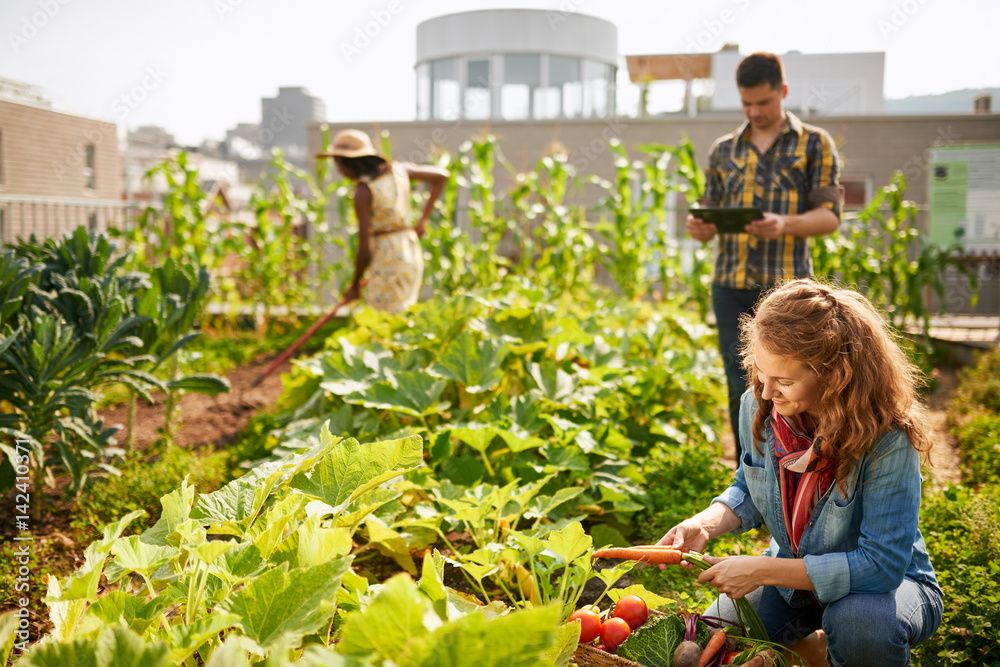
(804, 474)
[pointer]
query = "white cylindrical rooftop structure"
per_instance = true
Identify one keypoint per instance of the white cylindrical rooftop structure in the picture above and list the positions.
(516, 64)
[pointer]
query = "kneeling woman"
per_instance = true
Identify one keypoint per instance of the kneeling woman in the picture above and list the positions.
(832, 436)
(389, 257)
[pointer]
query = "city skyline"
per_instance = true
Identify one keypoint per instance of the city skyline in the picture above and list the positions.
(199, 67)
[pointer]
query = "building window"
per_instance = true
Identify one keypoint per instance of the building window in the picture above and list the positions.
(857, 192)
(521, 78)
(444, 89)
(596, 86)
(478, 95)
(92, 222)
(1, 163)
(423, 91)
(563, 93)
(3, 226)
(88, 169)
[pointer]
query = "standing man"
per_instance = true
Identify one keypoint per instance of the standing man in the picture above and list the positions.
(787, 169)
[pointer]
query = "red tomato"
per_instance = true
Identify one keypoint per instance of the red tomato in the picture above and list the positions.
(590, 624)
(728, 660)
(631, 609)
(613, 632)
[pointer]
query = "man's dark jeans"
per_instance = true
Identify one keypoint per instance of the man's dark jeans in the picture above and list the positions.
(729, 303)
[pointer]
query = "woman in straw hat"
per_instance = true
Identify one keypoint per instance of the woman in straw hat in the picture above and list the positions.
(389, 254)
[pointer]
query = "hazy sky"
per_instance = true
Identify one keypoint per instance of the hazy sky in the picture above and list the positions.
(198, 67)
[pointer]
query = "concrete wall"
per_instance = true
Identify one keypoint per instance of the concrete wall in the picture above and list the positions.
(43, 180)
(871, 147)
(44, 153)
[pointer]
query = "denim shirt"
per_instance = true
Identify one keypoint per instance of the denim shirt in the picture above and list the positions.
(864, 541)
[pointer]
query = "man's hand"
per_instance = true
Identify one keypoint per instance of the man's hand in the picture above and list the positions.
(700, 230)
(770, 227)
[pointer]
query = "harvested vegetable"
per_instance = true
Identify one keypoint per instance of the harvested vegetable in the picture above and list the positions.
(653, 644)
(614, 631)
(590, 624)
(686, 654)
(763, 659)
(632, 609)
(645, 554)
(715, 642)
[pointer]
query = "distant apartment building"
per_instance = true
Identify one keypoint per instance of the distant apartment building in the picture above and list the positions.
(57, 170)
(285, 119)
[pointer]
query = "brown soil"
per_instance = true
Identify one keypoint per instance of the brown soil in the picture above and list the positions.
(945, 458)
(216, 420)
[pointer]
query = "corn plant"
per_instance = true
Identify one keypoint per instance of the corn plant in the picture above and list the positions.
(283, 261)
(554, 238)
(478, 158)
(188, 227)
(884, 254)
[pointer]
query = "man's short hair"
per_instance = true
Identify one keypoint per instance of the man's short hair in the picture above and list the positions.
(759, 68)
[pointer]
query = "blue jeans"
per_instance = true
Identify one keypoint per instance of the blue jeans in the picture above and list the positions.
(876, 629)
(729, 304)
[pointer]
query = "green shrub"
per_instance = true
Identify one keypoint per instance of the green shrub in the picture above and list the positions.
(979, 443)
(962, 531)
(145, 478)
(979, 387)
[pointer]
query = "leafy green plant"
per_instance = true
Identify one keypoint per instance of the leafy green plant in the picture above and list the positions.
(962, 530)
(882, 253)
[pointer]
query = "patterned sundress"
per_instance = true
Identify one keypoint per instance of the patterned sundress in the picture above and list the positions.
(397, 266)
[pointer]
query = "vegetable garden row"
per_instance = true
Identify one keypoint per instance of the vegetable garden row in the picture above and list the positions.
(509, 430)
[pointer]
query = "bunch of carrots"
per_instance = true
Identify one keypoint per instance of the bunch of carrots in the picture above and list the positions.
(656, 554)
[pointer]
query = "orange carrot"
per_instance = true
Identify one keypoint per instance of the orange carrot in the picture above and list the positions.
(646, 555)
(712, 646)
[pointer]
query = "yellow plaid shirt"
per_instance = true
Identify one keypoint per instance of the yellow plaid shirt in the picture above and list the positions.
(785, 179)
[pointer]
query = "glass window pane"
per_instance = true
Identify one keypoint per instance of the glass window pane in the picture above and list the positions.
(444, 89)
(523, 69)
(515, 102)
(563, 95)
(478, 99)
(595, 88)
(423, 91)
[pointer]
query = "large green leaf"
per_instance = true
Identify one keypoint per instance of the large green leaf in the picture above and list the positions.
(120, 647)
(350, 469)
(133, 555)
(410, 393)
(176, 507)
(283, 601)
(475, 365)
(119, 607)
(185, 638)
(238, 502)
(514, 640)
(392, 620)
(569, 543)
(204, 383)
(556, 384)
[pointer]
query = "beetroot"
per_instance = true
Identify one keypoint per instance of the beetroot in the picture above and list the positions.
(686, 654)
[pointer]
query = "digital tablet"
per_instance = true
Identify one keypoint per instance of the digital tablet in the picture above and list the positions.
(728, 220)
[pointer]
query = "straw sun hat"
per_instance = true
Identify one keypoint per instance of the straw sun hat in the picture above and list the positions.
(350, 143)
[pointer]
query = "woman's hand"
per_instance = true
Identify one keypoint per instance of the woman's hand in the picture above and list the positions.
(352, 293)
(688, 535)
(421, 227)
(734, 575)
